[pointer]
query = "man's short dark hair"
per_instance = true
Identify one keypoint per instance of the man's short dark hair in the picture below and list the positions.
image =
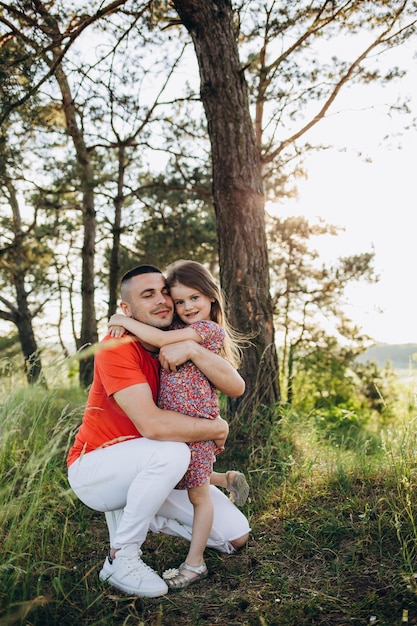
(140, 269)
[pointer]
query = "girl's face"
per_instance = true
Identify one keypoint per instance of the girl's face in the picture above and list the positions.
(190, 304)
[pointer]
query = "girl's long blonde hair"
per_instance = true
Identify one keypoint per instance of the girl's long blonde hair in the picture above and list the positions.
(196, 276)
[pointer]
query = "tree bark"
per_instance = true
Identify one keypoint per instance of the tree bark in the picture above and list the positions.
(20, 314)
(23, 321)
(238, 193)
(88, 335)
(114, 269)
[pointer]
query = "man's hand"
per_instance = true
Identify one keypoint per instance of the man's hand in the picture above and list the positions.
(221, 441)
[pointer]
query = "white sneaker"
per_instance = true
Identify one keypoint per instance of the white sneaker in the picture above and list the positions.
(131, 575)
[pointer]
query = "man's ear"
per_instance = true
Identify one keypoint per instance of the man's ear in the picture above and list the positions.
(126, 309)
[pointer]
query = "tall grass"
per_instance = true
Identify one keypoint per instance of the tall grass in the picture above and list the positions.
(35, 429)
(334, 525)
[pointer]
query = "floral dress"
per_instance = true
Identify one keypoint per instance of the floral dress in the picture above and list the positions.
(189, 391)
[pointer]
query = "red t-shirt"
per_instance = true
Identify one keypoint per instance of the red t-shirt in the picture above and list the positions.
(117, 366)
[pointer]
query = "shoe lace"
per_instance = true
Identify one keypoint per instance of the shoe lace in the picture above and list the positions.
(135, 564)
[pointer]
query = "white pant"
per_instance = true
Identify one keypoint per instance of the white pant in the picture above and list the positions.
(133, 483)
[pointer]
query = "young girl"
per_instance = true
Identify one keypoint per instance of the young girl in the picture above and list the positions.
(199, 306)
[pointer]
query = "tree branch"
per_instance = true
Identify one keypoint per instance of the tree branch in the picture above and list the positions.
(72, 35)
(382, 38)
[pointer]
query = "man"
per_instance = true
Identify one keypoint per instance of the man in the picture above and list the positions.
(128, 454)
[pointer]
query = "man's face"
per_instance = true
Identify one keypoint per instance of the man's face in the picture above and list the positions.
(147, 300)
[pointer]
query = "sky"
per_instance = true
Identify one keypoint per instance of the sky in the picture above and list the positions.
(374, 199)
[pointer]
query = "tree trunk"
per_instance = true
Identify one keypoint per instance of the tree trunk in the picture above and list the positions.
(21, 314)
(88, 333)
(290, 374)
(114, 269)
(238, 193)
(23, 321)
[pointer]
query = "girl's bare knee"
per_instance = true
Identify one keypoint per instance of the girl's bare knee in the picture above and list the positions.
(200, 494)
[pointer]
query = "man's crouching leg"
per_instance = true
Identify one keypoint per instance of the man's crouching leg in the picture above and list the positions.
(230, 529)
(159, 467)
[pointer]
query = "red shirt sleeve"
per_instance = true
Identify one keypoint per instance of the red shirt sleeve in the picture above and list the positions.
(118, 365)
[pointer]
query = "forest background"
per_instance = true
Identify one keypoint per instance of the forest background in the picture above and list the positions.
(108, 160)
(148, 131)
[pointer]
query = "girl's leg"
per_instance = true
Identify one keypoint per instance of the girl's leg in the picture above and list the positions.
(194, 569)
(230, 529)
(200, 498)
(235, 483)
(218, 479)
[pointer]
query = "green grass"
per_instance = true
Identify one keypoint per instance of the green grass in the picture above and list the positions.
(333, 527)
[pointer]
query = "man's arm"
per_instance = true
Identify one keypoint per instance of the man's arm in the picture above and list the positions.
(220, 373)
(155, 423)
